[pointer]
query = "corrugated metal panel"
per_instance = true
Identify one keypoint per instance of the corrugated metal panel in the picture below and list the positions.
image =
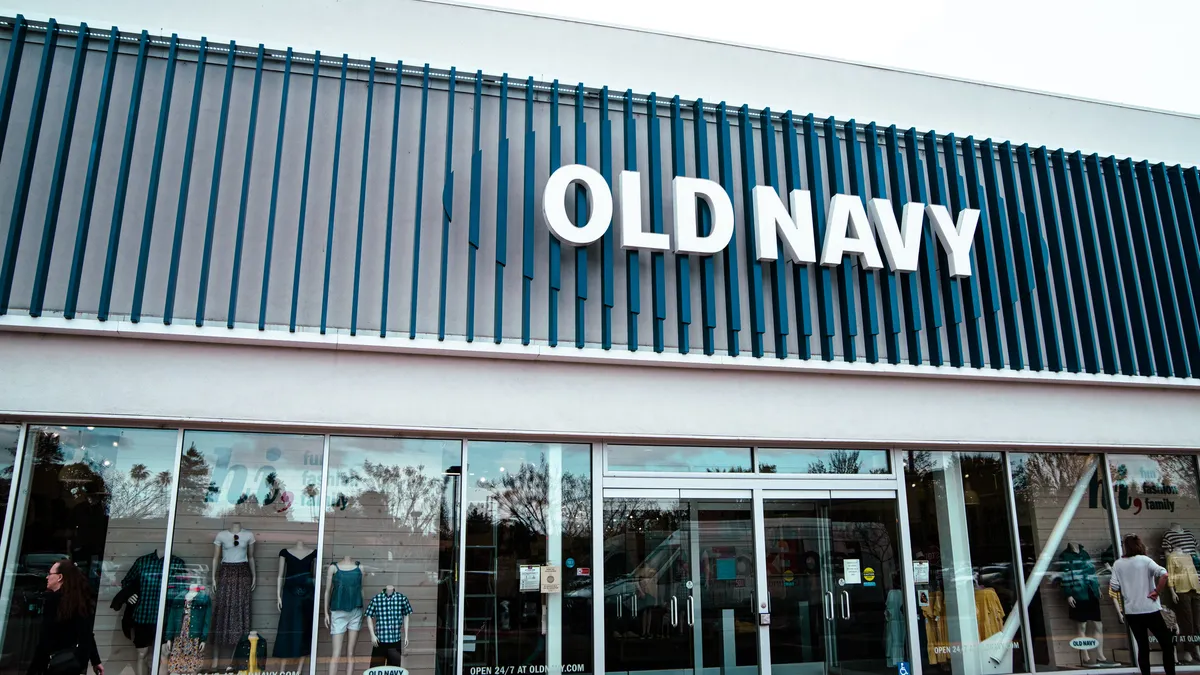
(260, 190)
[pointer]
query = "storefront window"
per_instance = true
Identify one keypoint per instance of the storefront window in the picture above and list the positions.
(100, 498)
(963, 567)
(9, 435)
(1067, 551)
(528, 506)
(245, 534)
(1156, 499)
(389, 563)
(793, 460)
(679, 459)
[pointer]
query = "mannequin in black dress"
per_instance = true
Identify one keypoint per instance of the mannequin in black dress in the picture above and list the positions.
(294, 598)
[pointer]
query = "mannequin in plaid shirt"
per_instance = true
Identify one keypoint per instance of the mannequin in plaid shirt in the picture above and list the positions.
(385, 619)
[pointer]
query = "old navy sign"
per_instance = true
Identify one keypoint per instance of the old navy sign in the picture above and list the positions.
(852, 229)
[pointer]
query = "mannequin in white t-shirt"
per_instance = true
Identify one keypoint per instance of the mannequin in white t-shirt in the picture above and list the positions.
(232, 546)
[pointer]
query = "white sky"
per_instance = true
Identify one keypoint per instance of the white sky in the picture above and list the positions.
(1137, 53)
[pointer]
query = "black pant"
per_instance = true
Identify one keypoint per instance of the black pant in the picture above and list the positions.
(386, 654)
(1141, 625)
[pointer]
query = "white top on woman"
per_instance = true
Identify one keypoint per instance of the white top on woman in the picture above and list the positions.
(1135, 578)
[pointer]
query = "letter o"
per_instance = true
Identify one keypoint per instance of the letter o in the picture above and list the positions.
(554, 207)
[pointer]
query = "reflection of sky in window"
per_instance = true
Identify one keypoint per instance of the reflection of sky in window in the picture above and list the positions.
(492, 467)
(679, 459)
(1157, 470)
(9, 435)
(839, 461)
(239, 465)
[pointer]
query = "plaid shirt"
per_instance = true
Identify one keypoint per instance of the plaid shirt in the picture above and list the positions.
(145, 577)
(389, 612)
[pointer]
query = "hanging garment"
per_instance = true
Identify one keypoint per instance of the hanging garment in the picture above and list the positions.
(989, 613)
(186, 654)
(937, 642)
(294, 636)
(894, 642)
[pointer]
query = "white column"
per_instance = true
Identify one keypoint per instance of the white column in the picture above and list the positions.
(554, 527)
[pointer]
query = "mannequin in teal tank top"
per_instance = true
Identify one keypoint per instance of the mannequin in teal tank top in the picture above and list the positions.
(343, 609)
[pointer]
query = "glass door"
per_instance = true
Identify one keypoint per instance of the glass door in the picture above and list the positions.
(834, 580)
(679, 586)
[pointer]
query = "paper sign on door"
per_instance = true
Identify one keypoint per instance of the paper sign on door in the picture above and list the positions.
(852, 571)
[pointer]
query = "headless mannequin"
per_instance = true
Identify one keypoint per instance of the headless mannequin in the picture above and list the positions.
(141, 664)
(389, 589)
(193, 591)
(1097, 627)
(345, 565)
(1186, 650)
(235, 528)
(300, 551)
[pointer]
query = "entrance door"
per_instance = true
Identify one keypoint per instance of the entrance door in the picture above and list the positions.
(679, 585)
(833, 573)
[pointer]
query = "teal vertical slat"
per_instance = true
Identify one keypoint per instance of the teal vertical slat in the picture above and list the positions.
(1022, 256)
(1188, 242)
(58, 175)
(385, 291)
(1040, 260)
(866, 278)
(333, 189)
(160, 139)
(419, 199)
(447, 202)
(1175, 224)
(1107, 244)
(930, 283)
(812, 154)
(708, 290)
(269, 247)
(753, 266)
(1139, 234)
(528, 216)
(969, 288)
(554, 278)
(185, 183)
(887, 278)
(1074, 259)
(951, 293)
(247, 168)
(89, 181)
(215, 188)
(1164, 269)
(987, 269)
(845, 272)
(1058, 262)
(1122, 245)
(1090, 252)
(607, 292)
(473, 216)
(733, 300)
(12, 69)
(1006, 273)
(683, 273)
(909, 283)
(362, 197)
(778, 269)
(312, 118)
(633, 272)
(501, 211)
(658, 272)
(581, 211)
(29, 157)
(122, 190)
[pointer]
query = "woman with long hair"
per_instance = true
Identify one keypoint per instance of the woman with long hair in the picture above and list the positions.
(1137, 582)
(67, 643)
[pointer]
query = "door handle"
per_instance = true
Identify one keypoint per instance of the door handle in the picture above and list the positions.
(827, 602)
(620, 605)
(691, 610)
(674, 611)
(845, 604)
(635, 604)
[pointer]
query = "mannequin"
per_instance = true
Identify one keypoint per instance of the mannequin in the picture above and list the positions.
(1082, 589)
(233, 581)
(294, 599)
(343, 609)
(141, 587)
(186, 631)
(389, 608)
(1180, 546)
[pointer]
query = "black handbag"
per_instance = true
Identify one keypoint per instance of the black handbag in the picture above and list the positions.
(65, 662)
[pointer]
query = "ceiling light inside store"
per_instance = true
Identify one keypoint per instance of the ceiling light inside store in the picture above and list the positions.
(114, 444)
(91, 428)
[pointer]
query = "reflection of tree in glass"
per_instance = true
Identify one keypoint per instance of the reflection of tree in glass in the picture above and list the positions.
(523, 496)
(841, 462)
(194, 483)
(135, 494)
(412, 495)
(1178, 471)
(1048, 474)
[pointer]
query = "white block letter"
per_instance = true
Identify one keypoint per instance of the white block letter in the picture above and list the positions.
(629, 210)
(846, 212)
(956, 239)
(684, 192)
(770, 216)
(901, 245)
(554, 205)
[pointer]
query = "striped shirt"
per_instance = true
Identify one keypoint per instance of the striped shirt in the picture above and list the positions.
(1179, 540)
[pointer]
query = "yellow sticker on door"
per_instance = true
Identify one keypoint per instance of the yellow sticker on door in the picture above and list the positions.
(869, 574)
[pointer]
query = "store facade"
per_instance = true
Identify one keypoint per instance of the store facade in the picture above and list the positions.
(316, 331)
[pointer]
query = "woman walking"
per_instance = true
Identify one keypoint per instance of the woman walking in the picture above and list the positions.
(67, 643)
(1137, 581)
